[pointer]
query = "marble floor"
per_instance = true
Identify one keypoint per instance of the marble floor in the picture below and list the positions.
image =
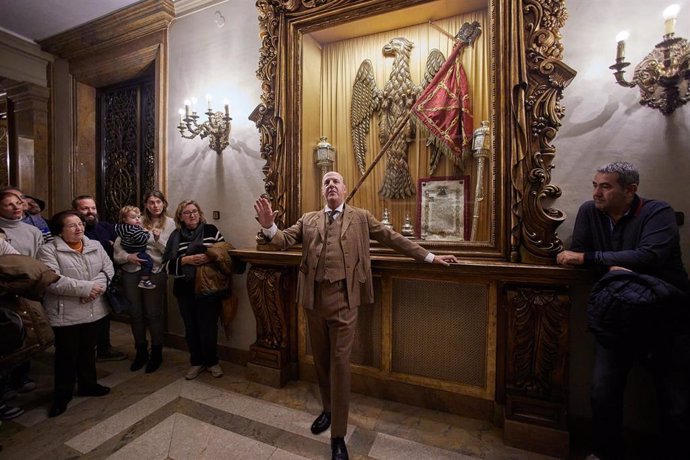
(163, 416)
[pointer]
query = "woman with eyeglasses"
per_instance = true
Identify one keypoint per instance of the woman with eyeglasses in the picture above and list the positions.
(146, 311)
(74, 304)
(184, 253)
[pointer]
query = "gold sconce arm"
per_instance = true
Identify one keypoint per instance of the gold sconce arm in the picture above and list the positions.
(619, 73)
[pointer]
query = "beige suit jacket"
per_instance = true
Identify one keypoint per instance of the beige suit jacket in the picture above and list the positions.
(359, 226)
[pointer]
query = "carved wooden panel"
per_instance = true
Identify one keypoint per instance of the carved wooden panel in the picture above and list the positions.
(539, 77)
(127, 146)
(536, 350)
(266, 291)
(4, 154)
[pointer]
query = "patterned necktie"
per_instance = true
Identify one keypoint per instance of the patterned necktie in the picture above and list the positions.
(331, 215)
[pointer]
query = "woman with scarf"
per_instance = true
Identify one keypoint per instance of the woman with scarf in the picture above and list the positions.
(184, 253)
(146, 311)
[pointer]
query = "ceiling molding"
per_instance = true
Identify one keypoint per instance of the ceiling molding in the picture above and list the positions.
(23, 45)
(123, 26)
(187, 7)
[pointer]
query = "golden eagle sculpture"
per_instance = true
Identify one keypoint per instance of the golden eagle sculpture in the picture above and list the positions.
(392, 104)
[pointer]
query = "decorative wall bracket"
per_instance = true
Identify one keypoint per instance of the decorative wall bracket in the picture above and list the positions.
(216, 128)
(663, 76)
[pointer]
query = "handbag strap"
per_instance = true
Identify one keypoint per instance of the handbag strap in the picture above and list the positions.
(107, 278)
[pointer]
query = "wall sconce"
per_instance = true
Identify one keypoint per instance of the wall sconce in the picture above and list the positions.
(216, 128)
(663, 74)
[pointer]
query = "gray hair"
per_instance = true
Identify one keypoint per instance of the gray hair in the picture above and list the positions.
(627, 172)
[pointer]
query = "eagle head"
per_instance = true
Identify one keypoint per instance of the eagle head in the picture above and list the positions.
(398, 46)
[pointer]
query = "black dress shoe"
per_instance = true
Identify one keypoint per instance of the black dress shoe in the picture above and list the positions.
(338, 449)
(321, 423)
(96, 390)
(57, 408)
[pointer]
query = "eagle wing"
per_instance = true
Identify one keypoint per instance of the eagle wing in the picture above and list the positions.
(365, 100)
(433, 63)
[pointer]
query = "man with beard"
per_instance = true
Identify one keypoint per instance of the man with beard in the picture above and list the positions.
(334, 280)
(104, 232)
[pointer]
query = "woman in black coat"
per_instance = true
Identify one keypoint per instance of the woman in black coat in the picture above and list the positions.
(185, 251)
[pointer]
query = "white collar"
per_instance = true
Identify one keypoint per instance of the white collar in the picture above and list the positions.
(338, 209)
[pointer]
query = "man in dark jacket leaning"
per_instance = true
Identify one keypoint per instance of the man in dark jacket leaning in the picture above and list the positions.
(619, 232)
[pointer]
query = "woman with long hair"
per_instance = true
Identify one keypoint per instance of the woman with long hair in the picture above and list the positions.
(146, 311)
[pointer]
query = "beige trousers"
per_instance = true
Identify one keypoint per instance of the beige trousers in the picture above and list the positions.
(332, 326)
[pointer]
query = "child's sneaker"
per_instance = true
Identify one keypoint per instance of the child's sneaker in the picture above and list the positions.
(146, 284)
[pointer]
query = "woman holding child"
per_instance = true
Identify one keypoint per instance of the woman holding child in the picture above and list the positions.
(147, 292)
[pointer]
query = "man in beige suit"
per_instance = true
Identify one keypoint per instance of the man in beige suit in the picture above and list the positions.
(334, 280)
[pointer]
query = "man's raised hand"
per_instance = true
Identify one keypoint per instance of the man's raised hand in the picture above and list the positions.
(265, 215)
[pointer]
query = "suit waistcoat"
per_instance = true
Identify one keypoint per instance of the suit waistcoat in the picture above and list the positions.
(331, 265)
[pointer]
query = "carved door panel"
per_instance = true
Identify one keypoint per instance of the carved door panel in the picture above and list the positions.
(127, 150)
(4, 153)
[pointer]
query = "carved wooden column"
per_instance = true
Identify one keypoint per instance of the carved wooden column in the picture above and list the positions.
(29, 104)
(270, 357)
(534, 321)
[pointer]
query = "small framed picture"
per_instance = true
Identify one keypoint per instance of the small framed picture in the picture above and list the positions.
(442, 209)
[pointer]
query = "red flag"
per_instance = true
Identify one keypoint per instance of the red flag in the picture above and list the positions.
(444, 107)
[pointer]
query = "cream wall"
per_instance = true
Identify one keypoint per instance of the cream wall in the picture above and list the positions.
(222, 61)
(604, 122)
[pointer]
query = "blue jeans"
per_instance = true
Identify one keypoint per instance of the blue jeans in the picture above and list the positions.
(146, 265)
(668, 360)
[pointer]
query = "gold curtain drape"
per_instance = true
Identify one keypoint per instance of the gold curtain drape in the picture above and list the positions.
(339, 64)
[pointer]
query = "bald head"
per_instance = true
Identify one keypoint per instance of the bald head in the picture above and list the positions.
(333, 189)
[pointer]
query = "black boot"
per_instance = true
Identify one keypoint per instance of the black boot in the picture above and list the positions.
(141, 358)
(156, 358)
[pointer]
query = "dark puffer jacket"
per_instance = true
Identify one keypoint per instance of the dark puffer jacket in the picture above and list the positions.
(625, 306)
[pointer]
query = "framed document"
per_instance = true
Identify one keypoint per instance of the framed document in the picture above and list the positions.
(442, 209)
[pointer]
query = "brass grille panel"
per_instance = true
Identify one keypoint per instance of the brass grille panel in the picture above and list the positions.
(423, 312)
(366, 350)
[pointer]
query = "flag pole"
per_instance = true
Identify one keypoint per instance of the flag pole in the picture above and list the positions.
(443, 31)
(398, 128)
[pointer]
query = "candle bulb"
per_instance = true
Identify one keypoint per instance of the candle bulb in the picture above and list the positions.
(620, 49)
(670, 14)
(181, 112)
(227, 108)
(208, 100)
(186, 108)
